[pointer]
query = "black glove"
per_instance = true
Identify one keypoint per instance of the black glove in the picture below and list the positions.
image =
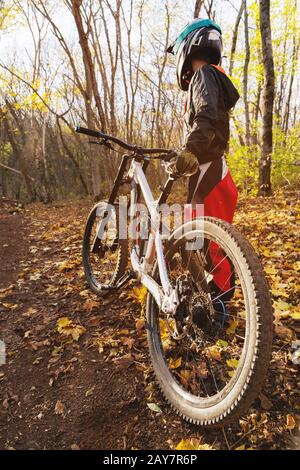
(184, 164)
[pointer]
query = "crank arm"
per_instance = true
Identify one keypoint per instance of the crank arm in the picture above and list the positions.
(125, 278)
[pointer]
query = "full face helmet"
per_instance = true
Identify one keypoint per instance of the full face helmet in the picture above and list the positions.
(201, 35)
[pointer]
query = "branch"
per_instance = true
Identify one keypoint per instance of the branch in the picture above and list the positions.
(35, 91)
(18, 172)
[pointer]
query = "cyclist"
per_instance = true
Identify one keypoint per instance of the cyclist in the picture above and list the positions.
(210, 96)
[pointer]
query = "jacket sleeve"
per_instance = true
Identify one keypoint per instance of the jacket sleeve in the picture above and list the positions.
(205, 94)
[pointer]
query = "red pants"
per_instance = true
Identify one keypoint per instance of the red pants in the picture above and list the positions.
(213, 187)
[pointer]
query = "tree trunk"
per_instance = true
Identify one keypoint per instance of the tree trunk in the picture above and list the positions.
(264, 180)
(91, 87)
(245, 81)
(198, 6)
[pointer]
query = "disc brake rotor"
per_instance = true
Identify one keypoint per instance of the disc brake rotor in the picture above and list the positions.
(193, 302)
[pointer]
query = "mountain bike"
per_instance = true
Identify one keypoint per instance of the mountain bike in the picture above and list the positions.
(210, 349)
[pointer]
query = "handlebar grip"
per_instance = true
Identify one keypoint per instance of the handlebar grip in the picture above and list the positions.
(170, 156)
(90, 132)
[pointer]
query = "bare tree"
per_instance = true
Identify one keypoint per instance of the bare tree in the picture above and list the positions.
(245, 75)
(198, 6)
(235, 36)
(264, 181)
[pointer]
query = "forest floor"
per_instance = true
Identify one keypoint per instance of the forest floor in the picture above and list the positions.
(78, 375)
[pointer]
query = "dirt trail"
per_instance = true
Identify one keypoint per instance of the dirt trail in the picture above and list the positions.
(60, 393)
(12, 246)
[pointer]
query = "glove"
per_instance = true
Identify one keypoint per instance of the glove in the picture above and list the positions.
(184, 164)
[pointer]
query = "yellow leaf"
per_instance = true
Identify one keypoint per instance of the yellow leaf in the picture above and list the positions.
(192, 444)
(76, 331)
(295, 315)
(10, 306)
(233, 363)
(174, 364)
(232, 327)
(66, 327)
(184, 376)
(278, 291)
(290, 422)
(242, 447)
(5, 292)
(214, 353)
(62, 323)
(125, 332)
(271, 270)
(140, 324)
(139, 294)
(67, 265)
(281, 305)
(164, 332)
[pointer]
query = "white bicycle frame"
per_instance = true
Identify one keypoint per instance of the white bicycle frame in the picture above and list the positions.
(165, 295)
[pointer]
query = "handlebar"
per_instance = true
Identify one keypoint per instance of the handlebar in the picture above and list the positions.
(121, 143)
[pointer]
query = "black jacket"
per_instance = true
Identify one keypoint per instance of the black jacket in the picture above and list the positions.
(211, 95)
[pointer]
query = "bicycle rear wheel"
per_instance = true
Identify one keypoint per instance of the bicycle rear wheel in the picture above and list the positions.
(211, 357)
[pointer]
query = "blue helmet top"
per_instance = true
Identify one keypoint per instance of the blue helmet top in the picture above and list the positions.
(196, 24)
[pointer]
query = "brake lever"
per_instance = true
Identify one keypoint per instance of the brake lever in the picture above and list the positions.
(102, 142)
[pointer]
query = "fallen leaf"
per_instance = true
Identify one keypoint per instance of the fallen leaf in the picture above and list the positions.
(127, 342)
(232, 327)
(185, 377)
(62, 323)
(175, 364)
(90, 391)
(75, 447)
(284, 333)
(67, 265)
(10, 306)
(192, 444)
(90, 304)
(124, 362)
(154, 407)
(202, 370)
(59, 408)
(266, 404)
(290, 422)
(139, 324)
(233, 363)
(35, 345)
(75, 331)
(66, 327)
(35, 276)
(214, 353)
(295, 315)
(139, 294)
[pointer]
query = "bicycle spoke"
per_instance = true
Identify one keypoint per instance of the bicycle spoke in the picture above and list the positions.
(229, 290)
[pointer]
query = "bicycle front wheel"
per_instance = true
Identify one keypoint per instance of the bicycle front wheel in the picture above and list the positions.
(211, 357)
(105, 254)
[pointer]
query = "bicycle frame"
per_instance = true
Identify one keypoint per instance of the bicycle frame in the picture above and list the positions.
(165, 295)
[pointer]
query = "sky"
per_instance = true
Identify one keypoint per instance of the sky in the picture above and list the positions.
(19, 39)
